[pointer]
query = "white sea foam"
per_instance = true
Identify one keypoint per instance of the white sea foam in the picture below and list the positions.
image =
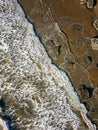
(35, 90)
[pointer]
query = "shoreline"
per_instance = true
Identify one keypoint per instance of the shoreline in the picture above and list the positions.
(84, 116)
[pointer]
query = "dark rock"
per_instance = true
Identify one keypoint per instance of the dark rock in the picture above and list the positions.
(88, 91)
(90, 59)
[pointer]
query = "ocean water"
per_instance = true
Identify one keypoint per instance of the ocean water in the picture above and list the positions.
(37, 95)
